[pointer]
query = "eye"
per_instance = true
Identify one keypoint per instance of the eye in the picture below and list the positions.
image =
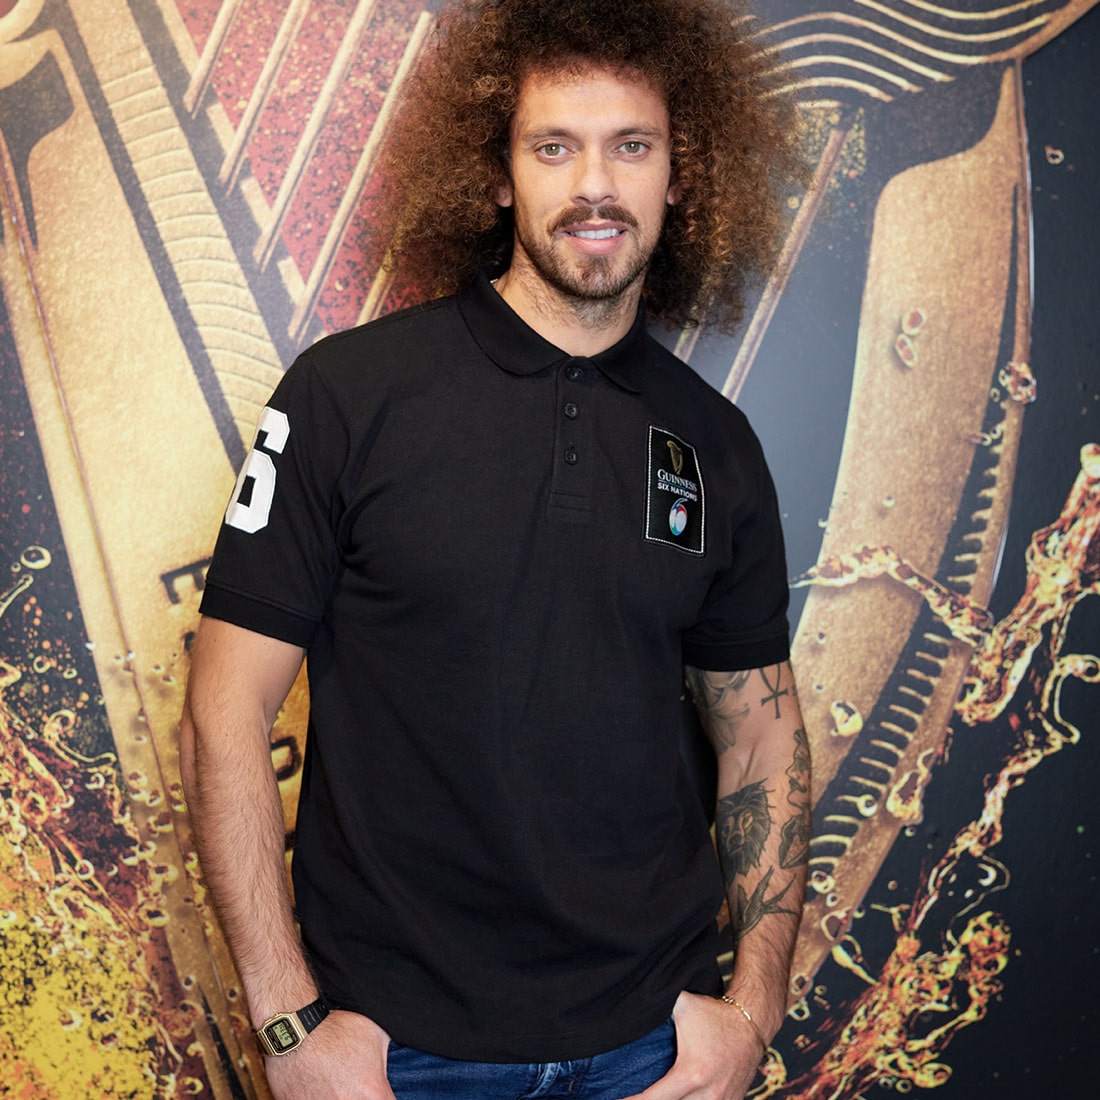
(634, 148)
(551, 150)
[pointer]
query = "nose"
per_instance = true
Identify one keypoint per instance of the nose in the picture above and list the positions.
(595, 179)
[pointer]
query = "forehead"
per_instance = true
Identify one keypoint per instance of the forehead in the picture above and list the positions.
(574, 96)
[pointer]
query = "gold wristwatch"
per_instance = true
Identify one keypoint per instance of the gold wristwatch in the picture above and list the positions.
(286, 1031)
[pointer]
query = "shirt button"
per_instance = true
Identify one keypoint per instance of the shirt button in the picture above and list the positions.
(571, 456)
(574, 373)
(571, 410)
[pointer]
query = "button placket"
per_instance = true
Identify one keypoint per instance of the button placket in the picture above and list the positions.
(570, 488)
(573, 373)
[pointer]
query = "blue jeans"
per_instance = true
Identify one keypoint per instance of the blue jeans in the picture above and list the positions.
(416, 1075)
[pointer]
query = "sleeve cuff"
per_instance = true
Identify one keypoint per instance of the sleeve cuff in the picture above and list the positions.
(257, 615)
(733, 658)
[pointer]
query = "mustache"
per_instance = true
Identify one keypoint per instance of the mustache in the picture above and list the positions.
(577, 214)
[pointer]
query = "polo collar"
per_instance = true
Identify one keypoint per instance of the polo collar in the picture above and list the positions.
(515, 347)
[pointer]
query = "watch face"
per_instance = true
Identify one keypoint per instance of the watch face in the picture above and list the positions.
(281, 1035)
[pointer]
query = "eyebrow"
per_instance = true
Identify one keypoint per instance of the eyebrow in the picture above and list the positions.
(546, 133)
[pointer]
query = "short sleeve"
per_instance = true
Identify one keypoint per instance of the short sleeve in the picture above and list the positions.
(743, 622)
(276, 555)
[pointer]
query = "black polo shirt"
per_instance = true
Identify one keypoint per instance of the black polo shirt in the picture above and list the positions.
(499, 558)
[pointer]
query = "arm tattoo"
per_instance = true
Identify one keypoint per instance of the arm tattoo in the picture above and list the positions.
(794, 842)
(773, 688)
(752, 908)
(716, 700)
(794, 837)
(742, 824)
(798, 774)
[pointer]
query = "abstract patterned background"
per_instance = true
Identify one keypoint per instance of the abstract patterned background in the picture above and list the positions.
(186, 193)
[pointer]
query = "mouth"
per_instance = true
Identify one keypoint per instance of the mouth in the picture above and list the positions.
(594, 234)
(600, 223)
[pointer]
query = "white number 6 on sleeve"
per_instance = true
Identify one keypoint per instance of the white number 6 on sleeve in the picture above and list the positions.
(250, 504)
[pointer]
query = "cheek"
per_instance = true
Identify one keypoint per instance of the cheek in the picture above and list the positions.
(656, 196)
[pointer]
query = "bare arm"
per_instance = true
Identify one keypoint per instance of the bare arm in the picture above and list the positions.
(762, 824)
(762, 829)
(238, 681)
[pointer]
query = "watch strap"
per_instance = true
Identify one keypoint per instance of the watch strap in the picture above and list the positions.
(310, 1016)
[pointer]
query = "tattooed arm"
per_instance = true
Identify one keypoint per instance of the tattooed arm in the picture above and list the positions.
(762, 823)
(762, 828)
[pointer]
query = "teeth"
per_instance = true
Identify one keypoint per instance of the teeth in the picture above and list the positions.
(597, 234)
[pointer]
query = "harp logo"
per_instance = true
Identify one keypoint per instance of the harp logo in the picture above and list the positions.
(676, 455)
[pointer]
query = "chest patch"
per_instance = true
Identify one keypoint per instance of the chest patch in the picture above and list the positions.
(675, 511)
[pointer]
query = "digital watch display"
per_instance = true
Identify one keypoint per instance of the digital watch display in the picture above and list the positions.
(286, 1031)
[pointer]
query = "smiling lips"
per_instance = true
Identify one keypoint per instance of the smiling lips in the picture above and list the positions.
(600, 224)
(595, 240)
(595, 231)
(594, 234)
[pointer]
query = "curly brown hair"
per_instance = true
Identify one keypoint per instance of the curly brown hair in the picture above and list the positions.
(733, 149)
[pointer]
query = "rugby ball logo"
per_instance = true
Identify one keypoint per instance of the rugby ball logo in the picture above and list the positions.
(678, 517)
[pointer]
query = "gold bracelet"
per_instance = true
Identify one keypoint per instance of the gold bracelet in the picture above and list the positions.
(748, 1018)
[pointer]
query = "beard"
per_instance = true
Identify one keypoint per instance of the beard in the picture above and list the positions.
(586, 279)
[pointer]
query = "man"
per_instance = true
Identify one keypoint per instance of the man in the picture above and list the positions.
(499, 525)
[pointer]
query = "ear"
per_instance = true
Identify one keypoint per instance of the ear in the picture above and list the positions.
(675, 192)
(503, 194)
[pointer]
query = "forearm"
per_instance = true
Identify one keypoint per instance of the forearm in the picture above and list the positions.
(237, 822)
(762, 825)
(762, 829)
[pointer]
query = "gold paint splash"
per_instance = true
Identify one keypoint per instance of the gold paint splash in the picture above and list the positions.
(847, 720)
(898, 1028)
(1018, 382)
(906, 798)
(90, 1004)
(967, 622)
(1063, 567)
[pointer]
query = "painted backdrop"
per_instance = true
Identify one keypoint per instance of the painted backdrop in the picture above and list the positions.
(186, 190)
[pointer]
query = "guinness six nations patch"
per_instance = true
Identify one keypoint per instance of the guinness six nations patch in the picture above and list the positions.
(674, 510)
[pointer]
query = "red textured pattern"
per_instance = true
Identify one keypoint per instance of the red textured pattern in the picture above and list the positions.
(344, 133)
(199, 19)
(246, 48)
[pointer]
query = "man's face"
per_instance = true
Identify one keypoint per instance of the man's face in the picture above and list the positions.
(591, 180)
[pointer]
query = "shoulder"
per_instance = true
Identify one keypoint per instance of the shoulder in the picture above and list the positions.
(679, 388)
(418, 336)
(338, 390)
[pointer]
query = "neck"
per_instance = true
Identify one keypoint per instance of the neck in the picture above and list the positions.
(579, 326)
